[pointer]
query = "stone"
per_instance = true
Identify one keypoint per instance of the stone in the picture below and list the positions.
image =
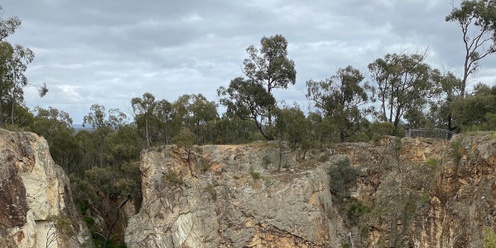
(33, 190)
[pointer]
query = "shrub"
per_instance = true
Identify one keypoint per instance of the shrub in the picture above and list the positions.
(205, 165)
(211, 191)
(324, 157)
(355, 210)
(254, 174)
(174, 178)
(432, 162)
(342, 178)
(489, 238)
(456, 146)
(266, 161)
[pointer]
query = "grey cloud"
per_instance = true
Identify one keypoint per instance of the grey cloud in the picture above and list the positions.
(110, 51)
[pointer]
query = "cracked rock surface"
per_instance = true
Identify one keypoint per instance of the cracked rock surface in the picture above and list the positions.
(32, 190)
(234, 201)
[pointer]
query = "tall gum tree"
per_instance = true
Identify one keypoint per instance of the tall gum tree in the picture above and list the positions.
(13, 64)
(404, 83)
(341, 98)
(144, 107)
(477, 21)
(248, 100)
(266, 68)
(270, 66)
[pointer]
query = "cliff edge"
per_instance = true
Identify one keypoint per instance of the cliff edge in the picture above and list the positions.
(408, 193)
(35, 197)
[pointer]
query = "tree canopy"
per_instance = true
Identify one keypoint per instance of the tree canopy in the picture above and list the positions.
(477, 21)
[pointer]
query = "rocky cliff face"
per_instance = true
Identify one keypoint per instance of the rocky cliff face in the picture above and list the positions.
(35, 199)
(232, 202)
(463, 199)
(410, 193)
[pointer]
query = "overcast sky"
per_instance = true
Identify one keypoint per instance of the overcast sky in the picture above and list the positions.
(109, 51)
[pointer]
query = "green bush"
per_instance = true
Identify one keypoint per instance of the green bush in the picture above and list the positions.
(205, 166)
(266, 161)
(355, 210)
(489, 238)
(174, 178)
(324, 157)
(254, 174)
(342, 178)
(432, 162)
(456, 149)
(89, 221)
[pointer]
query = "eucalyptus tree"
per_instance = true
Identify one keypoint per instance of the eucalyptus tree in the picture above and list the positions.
(164, 114)
(476, 109)
(196, 113)
(441, 110)
(477, 21)
(103, 124)
(266, 68)
(292, 128)
(13, 65)
(270, 66)
(405, 83)
(248, 100)
(144, 108)
(341, 98)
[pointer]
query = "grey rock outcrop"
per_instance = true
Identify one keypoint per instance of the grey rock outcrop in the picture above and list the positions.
(233, 202)
(410, 193)
(35, 197)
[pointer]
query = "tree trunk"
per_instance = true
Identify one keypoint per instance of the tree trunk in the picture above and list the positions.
(188, 161)
(12, 110)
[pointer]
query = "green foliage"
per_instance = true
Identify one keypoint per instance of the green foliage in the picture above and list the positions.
(185, 138)
(405, 84)
(266, 161)
(231, 129)
(58, 227)
(432, 162)
(266, 69)
(342, 178)
(477, 21)
(293, 127)
(424, 198)
(377, 130)
(489, 238)
(144, 107)
(354, 210)
(56, 127)
(324, 157)
(89, 221)
(476, 110)
(254, 174)
(174, 178)
(456, 148)
(14, 60)
(205, 165)
(197, 114)
(246, 99)
(341, 98)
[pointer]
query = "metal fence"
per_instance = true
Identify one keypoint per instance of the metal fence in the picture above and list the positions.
(429, 133)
